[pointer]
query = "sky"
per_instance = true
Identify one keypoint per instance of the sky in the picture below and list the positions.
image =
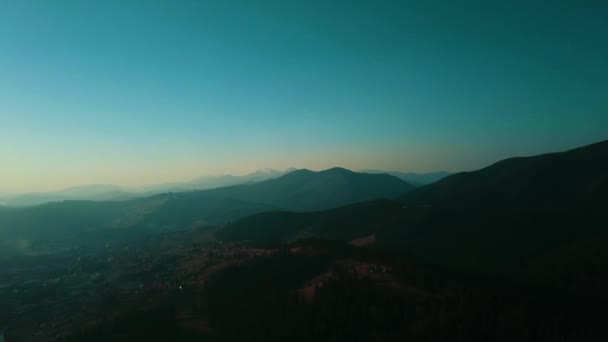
(142, 92)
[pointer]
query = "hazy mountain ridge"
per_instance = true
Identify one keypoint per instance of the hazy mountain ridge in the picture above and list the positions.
(301, 190)
(108, 192)
(97, 192)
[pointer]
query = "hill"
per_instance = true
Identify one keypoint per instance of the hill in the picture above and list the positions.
(416, 179)
(575, 178)
(344, 223)
(500, 220)
(60, 224)
(305, 190)
(54, 226)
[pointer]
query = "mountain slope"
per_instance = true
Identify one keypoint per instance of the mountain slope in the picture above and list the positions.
(94, 192)
(52, 227)
(578, 177)
(344, 223)
(497, 220)
(416, 179)
(211, 182)
(305, 190)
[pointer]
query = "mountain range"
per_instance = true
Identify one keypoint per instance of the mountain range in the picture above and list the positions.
(576, 178)
(515, 251)
(301, 190)
(331, 188)
(505, 219)
(108, 192)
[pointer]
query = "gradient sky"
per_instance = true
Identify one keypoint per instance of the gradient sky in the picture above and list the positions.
(139, 92)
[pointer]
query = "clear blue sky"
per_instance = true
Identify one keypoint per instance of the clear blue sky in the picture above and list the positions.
(137, 92)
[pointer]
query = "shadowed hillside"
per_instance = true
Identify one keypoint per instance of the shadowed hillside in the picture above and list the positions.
(343, 223)
(576, 178)
(416, 179)
(308, 290)
(498, 220)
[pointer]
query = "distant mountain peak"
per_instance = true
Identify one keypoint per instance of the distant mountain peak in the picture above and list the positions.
(301, 171)
(326, 171)
(337, 170)
(305, 190)
(265, 171)
(263, 174)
